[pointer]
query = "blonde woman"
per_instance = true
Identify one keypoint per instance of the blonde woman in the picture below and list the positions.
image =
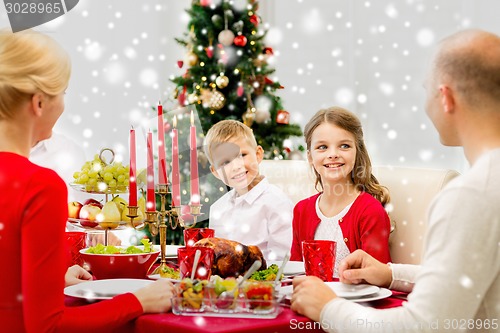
(34, 74)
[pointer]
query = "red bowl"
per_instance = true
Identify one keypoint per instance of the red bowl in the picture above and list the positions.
(119, 266)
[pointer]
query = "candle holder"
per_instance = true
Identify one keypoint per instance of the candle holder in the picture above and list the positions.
(132, 214)
(156, 220)
(194, 211)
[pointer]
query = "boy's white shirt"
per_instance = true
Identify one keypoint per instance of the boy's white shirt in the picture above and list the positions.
(261, 217)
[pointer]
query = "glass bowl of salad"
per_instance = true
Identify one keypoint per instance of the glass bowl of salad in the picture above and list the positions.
(117, 262)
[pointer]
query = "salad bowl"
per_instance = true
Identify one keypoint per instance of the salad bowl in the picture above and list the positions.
(118, 262)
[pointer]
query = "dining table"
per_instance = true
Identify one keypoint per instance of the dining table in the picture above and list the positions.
(286, 321)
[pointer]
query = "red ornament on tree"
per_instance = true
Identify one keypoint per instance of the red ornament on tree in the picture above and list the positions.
(283, 117)
(268, 50)
(254, 19)
(240, 40)
(210, 51)
(268, 80)
(180, 63)
(205, 3)
(240, 91)
(182, 97)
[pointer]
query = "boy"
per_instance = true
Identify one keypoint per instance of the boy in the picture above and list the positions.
(254, 212)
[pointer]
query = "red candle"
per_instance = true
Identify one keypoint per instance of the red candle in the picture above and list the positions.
(162, 161)
(195, 185)
(176, 186)
(150, 193)
(132, 193)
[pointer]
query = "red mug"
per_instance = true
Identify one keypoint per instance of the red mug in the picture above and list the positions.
(75, 241)
(192, 235)
(319, 258)
(185, 257)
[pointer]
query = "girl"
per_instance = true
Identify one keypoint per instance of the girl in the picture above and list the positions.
(349, 208)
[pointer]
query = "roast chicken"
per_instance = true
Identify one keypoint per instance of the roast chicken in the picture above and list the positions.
(232, 258)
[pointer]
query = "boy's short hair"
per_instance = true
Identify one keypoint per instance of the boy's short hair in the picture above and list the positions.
(225, 130)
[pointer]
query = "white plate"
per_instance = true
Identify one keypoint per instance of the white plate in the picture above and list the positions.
(383, 293)
(172, 251)
(157, 277)
(104, 289)
(349, 291)
(291, 268)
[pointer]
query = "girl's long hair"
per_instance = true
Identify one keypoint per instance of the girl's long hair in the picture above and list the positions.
(361, 174)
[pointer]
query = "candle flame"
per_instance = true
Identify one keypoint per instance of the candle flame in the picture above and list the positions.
(192, 118)
(175, 121)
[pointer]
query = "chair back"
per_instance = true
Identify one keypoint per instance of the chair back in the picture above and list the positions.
(411, 190)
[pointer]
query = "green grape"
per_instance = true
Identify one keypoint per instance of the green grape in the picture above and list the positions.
(120, 179)
(97, 175)
(120, 170)
(108, 176)
(84, 177)
(93, 174)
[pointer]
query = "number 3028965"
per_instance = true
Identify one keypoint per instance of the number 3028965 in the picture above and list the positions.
(34, 8)
(471, 324)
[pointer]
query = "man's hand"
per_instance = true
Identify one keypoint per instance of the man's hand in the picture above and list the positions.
(360, 267)
(76, 274)
(310, 295)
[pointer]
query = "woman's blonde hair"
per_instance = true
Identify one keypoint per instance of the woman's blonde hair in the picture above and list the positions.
(30, 62)
(224, 131)
(362, 172)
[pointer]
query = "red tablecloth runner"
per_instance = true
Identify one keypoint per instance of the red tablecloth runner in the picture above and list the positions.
(287, 321)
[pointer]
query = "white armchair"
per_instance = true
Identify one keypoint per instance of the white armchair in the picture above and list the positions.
(411, 190)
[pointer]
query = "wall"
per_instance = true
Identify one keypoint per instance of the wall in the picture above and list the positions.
(368, 56)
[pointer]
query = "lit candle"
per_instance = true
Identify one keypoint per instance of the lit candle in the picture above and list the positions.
(132, 193)
(195, 186)
(176, 186)
(150, 193)
(162, 161)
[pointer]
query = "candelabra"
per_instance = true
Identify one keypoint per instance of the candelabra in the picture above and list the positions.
(156, 220)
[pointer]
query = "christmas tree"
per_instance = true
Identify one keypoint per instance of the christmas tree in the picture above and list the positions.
(227, 74)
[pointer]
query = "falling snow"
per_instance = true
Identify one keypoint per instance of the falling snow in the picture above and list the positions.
(367, 56)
